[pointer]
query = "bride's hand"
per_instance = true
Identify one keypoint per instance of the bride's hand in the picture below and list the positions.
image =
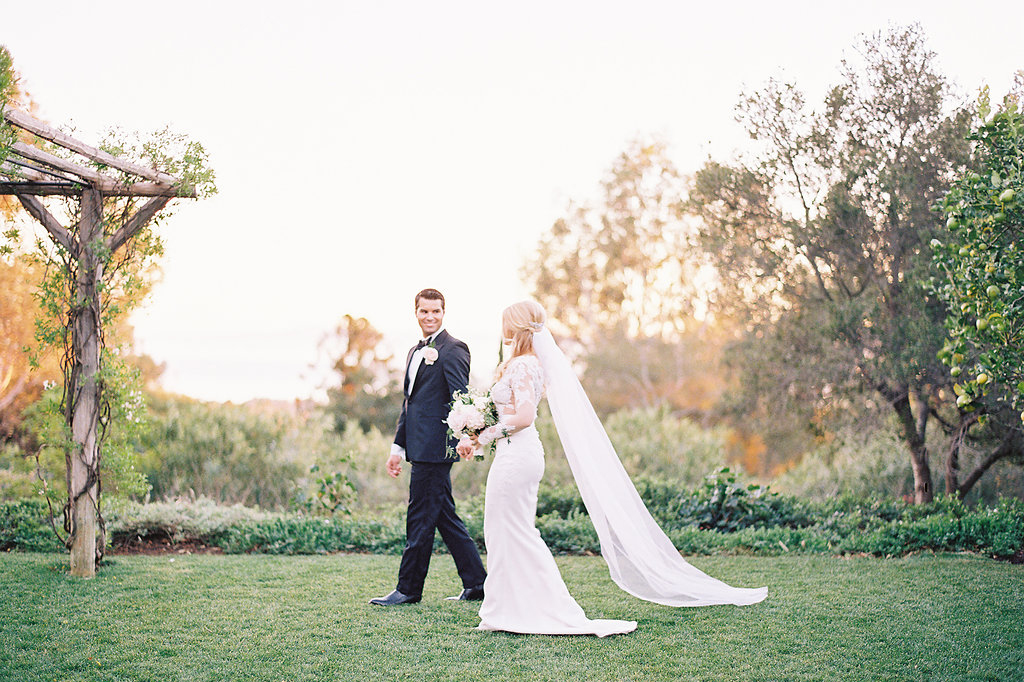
(465, 448)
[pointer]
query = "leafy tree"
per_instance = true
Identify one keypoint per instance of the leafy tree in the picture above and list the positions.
(982, 283)
(366, 388)
(616, 279)
(818, 239)
(620, 262)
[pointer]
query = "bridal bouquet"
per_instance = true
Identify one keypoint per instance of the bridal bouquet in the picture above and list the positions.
(471, 413)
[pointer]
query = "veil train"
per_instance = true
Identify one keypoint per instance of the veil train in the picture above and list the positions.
(641, 559)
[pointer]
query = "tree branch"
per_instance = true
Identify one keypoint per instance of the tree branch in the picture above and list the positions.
(1005, 449)
(953, 454)
(947, 426)
(922, 417)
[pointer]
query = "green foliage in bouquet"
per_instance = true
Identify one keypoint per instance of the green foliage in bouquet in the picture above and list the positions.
(471, 412)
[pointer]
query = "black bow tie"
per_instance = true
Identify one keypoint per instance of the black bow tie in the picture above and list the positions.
(422, 343)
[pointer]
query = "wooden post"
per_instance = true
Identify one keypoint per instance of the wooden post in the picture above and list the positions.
(83, 491)
(29, 173)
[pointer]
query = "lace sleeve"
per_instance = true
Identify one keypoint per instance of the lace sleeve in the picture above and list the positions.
(525, 379)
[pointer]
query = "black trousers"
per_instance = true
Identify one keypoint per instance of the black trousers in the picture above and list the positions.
(431, 507)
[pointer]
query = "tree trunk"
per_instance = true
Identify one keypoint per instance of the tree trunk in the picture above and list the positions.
(953, 455)
(913, 436)
(84, 399)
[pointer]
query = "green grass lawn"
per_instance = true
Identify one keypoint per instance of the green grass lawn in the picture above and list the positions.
(253, 617)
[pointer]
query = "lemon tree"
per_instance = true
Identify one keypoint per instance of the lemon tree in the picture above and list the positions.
(982, 262)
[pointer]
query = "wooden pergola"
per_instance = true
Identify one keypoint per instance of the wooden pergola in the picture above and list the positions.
(29, 172)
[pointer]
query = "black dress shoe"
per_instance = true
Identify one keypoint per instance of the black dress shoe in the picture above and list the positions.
(395, 598)
(469, 594)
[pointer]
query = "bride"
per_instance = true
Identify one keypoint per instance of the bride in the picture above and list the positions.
(524, 591)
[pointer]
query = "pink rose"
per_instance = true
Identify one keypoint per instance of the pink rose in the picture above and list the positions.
(429, 355)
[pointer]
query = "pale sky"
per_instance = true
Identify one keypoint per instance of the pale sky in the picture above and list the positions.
(367, 150)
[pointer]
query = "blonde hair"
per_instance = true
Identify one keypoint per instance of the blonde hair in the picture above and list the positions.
(519, 322)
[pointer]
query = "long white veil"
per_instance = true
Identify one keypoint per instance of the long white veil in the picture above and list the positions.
(641, 558)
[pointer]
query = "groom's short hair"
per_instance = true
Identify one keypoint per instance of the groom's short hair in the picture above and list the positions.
(432, 295)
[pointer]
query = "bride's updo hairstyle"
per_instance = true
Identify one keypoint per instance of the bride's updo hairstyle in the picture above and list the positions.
(519, 321)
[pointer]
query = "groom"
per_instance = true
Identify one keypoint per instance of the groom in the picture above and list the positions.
(435, 368)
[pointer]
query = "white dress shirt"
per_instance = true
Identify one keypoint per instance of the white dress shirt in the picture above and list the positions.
(414, 367)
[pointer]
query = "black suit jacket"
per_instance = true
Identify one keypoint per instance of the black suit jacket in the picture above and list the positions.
(422, 430)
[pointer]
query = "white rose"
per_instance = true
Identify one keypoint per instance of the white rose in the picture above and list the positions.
(429, 355)
(457, 419)
(475, 420)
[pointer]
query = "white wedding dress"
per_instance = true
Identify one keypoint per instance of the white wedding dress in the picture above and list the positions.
(524, 591)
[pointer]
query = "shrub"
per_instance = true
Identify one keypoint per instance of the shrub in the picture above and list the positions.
(766, 524)
(574, 534)
(722, 503)
(308, 535)
(561, 500)
(24, 526)
(858, 462)
(202, 520)
(235, 454)
(655, 443)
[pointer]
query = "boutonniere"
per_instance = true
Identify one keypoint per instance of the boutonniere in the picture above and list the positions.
(430, 354)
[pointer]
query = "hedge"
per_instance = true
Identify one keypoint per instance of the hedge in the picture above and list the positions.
(722, 517)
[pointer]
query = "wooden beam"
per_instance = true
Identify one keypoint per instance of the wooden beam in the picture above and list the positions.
(39, 189)
(49, 189)
(149, 189)
(18, 169)
(136, 222)
(52, 225)
(94, 178)
(33, 125)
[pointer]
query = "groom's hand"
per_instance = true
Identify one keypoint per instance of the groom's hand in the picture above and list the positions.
(394, 466)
